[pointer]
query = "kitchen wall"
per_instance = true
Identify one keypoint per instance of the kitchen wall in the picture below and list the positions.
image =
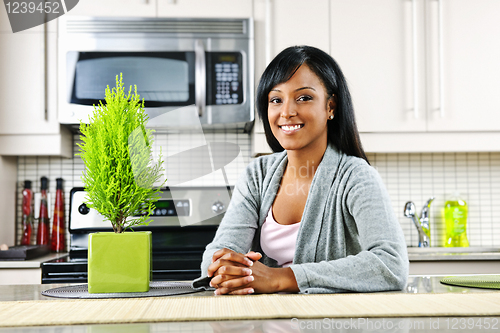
(8, 170)
(33, 168)
(414, 177)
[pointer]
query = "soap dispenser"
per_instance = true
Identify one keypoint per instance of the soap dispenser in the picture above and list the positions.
(455, 217)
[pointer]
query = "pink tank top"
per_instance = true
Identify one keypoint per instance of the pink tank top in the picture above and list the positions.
(278, 240)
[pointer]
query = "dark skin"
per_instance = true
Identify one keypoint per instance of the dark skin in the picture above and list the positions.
(238, 274)
(298, 113)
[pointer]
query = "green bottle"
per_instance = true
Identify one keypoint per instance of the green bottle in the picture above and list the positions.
(455, 217)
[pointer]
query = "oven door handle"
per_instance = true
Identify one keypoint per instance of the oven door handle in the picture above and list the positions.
(200, 85)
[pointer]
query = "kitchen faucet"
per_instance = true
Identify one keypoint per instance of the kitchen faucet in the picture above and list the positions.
(422, 223)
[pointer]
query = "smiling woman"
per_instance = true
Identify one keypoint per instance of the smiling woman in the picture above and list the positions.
(299, 101)
(314, 217)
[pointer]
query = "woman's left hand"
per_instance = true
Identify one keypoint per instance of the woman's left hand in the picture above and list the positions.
(263, 279)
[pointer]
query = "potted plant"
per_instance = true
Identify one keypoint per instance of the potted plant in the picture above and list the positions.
(119, 179)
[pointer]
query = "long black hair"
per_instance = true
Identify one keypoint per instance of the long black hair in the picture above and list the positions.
(342, 130)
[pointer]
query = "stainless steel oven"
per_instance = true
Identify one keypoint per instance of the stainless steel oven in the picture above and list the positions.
(202, 67)
(185, 220)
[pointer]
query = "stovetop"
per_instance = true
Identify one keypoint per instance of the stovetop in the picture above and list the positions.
(171, 266)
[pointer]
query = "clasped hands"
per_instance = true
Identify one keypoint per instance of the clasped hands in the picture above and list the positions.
(242, 274)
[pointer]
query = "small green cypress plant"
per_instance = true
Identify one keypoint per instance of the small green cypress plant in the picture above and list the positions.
(116, 149)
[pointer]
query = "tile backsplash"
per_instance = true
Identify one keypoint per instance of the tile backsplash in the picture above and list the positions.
(33, 168)
(415, 177)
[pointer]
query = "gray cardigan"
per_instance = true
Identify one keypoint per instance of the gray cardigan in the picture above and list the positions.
(349, 238)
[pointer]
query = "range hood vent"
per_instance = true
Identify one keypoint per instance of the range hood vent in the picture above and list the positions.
(162, 26)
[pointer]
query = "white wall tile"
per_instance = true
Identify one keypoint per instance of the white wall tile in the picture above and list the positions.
(407, 177)
(33, 168)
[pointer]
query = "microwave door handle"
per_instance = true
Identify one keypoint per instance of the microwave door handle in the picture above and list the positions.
(200, 76)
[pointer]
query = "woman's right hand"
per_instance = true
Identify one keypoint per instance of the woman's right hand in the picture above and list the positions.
(230, 265)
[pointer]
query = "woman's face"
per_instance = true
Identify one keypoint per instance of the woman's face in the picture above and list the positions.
(298, 111)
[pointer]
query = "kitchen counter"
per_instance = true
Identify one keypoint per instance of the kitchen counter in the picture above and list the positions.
(416, 284)
(25, 271)
(423, 261)
(32, 263)
(452, 254)
(448, 261)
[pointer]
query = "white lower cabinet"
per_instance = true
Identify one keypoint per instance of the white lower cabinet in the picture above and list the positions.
(13, 276)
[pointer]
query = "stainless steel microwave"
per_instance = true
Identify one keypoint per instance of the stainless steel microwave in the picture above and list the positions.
(200, 68)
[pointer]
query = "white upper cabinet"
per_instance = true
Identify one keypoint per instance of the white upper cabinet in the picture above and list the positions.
(28, 114)
(463, 65)
(132, 8)
(278, 25)
(283, 23)
(205, 8)
(379, 48)
(24, 106)
(25, 60)
(22, 85)
(420, 65)
(21, 82)
(164, 8)
(298, 22)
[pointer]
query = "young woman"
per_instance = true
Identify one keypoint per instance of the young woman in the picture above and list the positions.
(314, 217)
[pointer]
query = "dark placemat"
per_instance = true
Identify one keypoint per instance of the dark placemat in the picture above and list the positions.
(474, 281)
(156, 288)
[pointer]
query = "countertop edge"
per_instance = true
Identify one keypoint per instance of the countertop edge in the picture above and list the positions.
(32, 263)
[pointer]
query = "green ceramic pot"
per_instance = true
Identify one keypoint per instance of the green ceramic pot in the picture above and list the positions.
(119, 263)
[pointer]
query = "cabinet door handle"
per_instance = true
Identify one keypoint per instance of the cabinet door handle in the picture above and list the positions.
(415, 58)
(200, 76)
(441, 59)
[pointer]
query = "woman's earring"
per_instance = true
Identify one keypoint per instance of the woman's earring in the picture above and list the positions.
(331, 117)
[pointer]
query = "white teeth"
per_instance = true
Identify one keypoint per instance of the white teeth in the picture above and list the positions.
(290, 128)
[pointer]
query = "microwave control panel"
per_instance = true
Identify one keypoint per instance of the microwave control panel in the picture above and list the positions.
(226, 81)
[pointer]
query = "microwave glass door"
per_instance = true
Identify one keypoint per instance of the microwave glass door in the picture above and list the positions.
(162, 78)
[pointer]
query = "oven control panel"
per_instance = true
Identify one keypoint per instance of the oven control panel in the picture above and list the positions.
(177, 207)
(170, 208)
